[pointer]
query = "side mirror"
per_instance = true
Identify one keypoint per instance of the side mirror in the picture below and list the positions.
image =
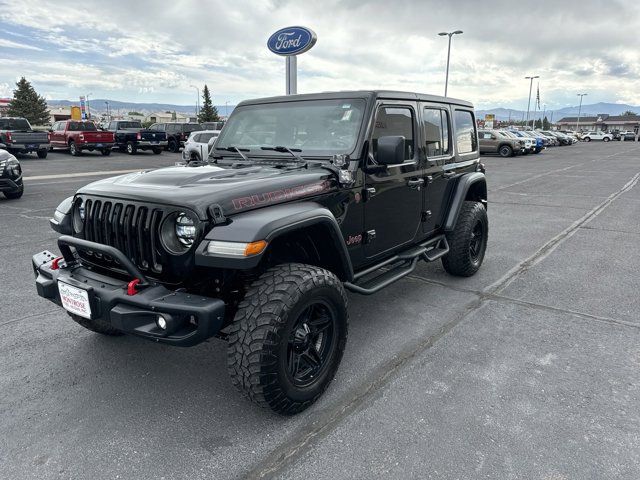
(390, 150)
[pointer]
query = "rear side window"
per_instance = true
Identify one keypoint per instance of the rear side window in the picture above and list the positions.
(205, 137)
(392, 121)
(436, 129)
(466, 136)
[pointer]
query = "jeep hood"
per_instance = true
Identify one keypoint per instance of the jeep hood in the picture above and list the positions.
(197, 188)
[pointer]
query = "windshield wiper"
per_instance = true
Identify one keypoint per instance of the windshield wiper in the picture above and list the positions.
(291, 151)
(239, 151)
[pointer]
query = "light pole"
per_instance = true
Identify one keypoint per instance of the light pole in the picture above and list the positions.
(544, 111)
(450, 34)
(226, 109)
(88, 108)
(529, 104)
(579, 111)
(108, 113)
(197, 98)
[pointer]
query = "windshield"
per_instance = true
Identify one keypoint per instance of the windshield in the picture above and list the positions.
(316, 127)
(14, 124)
(129, 125)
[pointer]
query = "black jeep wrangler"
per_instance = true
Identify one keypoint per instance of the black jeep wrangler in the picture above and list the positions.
(303, 198)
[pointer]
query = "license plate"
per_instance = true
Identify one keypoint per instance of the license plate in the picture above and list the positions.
(155, 141)
(31, 146)
(99, 145)
(74, 300)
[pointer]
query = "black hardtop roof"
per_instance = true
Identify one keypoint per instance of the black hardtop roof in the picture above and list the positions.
(365, 94)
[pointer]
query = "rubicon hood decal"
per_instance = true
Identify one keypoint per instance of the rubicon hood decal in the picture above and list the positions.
(281, 195)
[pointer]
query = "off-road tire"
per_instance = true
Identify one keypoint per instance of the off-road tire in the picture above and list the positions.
(42, 153)
(73, 150)
(157, 151)
(14, 195)
(98, 326)
(460, 261)
(260, 334)
(131, 148)
(505, 151)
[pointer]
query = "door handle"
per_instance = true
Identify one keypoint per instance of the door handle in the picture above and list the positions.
(416, 183)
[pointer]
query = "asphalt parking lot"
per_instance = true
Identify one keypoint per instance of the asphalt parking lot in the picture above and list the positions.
(529, 370)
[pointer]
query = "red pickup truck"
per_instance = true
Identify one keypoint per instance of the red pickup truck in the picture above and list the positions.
(76, 136)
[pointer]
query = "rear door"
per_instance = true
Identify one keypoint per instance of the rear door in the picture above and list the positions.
(394, 194)
(436, 137)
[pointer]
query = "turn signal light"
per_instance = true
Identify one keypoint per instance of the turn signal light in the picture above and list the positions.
(236, 249)
(254, 248)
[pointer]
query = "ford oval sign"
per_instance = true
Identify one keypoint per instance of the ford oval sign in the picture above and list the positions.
(292, 41)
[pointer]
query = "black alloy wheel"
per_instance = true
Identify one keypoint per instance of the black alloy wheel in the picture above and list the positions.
(310, 343)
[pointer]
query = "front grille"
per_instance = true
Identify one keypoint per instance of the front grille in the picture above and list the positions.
(132, 229)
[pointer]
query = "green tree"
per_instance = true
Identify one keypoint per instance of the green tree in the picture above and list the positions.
(545, 123)
(629, 113)
(538, 123)
(135, 113)
(28, 104)
(208, 112)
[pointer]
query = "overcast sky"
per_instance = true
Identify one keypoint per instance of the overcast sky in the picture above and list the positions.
(153, 51)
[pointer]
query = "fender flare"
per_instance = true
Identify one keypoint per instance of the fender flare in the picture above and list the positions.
(269, 224)
(462, 188)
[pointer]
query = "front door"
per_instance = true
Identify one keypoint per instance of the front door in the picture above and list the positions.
(57, 135)
(436, 128)
(393, 194)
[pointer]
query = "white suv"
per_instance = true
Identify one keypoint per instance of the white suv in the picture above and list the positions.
(605, 137)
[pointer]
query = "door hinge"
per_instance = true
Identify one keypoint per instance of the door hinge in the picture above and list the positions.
(368, 193)
(369, 236)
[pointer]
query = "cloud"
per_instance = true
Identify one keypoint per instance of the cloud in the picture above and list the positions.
(143, 53)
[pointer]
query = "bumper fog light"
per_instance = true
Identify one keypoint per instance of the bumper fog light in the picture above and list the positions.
(161, 322)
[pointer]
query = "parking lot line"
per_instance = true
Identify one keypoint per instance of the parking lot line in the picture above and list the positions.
(83, 174)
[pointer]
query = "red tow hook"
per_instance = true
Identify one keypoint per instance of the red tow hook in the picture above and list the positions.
(55, 263)
(131, 287)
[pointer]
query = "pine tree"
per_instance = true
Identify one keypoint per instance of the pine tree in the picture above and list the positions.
(208, 112)
(545, 123)
(28, 104)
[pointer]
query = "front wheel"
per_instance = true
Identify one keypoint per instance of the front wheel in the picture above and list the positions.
(468, 241)
(505, 151)
(14, 195)
(174, 147)
(287, 338)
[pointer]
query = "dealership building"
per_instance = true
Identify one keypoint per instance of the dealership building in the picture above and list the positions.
(601, 122)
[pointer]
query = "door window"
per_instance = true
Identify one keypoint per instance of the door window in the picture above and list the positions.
(466, 136)
(391, 121)
(61, 126)
(436, 129)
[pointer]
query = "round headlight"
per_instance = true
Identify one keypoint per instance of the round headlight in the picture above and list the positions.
(185, 229)
(78, 216)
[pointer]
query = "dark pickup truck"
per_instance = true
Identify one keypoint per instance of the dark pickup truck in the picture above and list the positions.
(131, 137)
(18, 136)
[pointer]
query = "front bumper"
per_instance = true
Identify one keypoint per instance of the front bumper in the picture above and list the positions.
(191, 318)
(10, 184)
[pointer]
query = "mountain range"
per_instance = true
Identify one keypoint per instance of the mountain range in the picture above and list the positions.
(587, 110)
(99, 106)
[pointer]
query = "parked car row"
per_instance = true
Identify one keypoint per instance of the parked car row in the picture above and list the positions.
(509, 143)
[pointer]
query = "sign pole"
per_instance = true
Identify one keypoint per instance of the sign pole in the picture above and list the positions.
(292, 75)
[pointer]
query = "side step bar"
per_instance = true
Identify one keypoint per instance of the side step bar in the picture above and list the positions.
(402, 264)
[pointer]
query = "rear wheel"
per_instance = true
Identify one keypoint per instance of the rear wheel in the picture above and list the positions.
(131, 148)
(587, 139)
(73, 149)
(505, 151)
(468, 241)
(287, 338)
(157, 151)
(606, 139)
(98, 326)
(42, 153)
